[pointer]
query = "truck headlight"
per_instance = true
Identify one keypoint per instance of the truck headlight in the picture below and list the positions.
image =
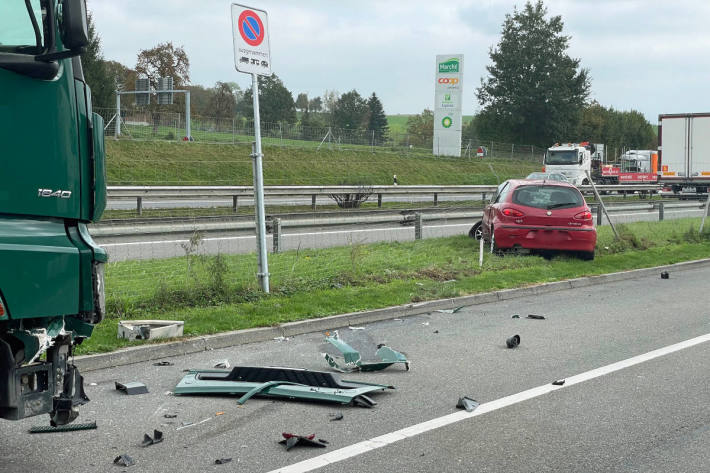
(99, 293)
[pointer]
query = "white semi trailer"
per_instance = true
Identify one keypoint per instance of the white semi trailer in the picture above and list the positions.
(684, 151)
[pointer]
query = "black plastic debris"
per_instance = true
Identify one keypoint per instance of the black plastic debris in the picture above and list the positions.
(293, 440)
(467, 403)
(513, 341)
(132, 388)
(664, 275)
(323, 441)
(436, 331)
(558, 382)
(170, 416)
(148, 440)
(536, 317)
(45, 429)
(124, 460)
(336, 416)
(222, 461)
(163, 363)
(515, 316)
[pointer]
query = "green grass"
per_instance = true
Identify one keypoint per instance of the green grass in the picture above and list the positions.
(184, 163)
(216, 294)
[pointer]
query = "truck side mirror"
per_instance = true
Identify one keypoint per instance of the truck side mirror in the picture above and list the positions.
(75, 30)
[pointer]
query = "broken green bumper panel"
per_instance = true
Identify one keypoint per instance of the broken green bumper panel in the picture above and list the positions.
(288, 383)
(368, 356)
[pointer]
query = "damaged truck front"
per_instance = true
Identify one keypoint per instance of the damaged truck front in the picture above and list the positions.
(51, 277)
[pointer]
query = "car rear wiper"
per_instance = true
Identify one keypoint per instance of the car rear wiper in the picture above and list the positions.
(557, 206)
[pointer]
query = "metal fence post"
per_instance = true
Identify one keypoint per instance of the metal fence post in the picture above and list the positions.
(379, 200)
(139, 205)
(599, 214)
(417, 226)
(117, 126)
(235, 203)
(436, 199)
(276, 222)
(660, 211)
(313, 201)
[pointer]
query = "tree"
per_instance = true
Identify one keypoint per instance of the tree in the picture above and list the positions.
(377, 120)
(618, 130)
(222, 100)
(535, 91)
(96, 74)
(164, 60)
(350, 111)
(302, 102)
(315, 105)
(420, 129)
(275, 101)
(330, 98)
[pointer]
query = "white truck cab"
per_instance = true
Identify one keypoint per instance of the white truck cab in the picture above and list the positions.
(574, 160)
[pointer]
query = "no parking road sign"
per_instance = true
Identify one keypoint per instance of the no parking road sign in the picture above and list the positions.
(250, 30)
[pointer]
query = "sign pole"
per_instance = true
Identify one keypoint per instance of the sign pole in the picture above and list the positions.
(263, 274)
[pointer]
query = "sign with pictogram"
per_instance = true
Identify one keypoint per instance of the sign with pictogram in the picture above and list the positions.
(250, 32)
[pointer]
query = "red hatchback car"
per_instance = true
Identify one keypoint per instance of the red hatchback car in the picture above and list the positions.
(539, 215)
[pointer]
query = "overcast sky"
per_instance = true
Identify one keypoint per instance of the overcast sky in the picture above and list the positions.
(651, 56)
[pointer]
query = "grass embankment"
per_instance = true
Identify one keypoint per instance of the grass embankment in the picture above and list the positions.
(217, 294)
(166, 163)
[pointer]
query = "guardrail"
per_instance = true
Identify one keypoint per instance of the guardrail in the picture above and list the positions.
(235, 192)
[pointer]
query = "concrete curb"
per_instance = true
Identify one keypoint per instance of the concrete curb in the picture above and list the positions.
(131, 355)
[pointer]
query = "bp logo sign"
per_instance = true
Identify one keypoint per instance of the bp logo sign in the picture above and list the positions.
(446, 122)
(449, 66)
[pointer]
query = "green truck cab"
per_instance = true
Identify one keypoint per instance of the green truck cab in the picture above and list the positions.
(53, 185)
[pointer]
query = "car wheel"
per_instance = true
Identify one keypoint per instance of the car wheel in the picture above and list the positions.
(586, 255)
(476, 232)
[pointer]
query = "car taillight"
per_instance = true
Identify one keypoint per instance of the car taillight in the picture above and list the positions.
(2, 308)
(586, 215)
(512, 213)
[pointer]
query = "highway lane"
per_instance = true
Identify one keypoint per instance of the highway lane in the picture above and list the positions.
(166, 246)
(651, 416)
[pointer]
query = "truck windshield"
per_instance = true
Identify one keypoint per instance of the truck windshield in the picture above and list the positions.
(21, 26)
(561, 157)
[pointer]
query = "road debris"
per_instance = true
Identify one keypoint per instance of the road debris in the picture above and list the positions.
(282, 339)
(513, 341)
(450, 311)
(222, 461)
(293, 440)
(515, 316)
(283, 383)
(220, 413)
(336, 416)
(558, 382)
(45, 429)
(426, 324)
(163, 363)
(222, 364)
(436, 331)
(150, 329)
(132, 388)
(356, 328)
(355, 351)
(467, 403)
(664, 275)
(156, 438)
(170, 416)
(124, 460)
(536, 317)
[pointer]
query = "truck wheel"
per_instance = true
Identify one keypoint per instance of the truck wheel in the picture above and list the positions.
(475, 231)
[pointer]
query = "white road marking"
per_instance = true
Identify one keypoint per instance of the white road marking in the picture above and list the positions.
(411, 431)
(162, 242)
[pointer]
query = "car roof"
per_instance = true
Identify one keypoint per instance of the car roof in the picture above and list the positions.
(547, 182)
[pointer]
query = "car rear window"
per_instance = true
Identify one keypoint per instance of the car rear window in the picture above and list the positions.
(548, 197)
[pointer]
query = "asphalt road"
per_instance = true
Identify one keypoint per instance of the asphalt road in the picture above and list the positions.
(653, 416)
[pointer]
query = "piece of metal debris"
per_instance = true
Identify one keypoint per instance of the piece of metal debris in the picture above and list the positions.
(664, 275)
(355, 351)
(293, 440)
(467, 403)
(45, 429)
(163, 363)
(356, 328)
(450, 311)
(150, 329)
(222, 364)
(513, 341)
(156, 438)
(132, 388)
(336, 416)
(276, 382)
(222, 461)
(536, 317)
(558, 382)
(124, 460)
